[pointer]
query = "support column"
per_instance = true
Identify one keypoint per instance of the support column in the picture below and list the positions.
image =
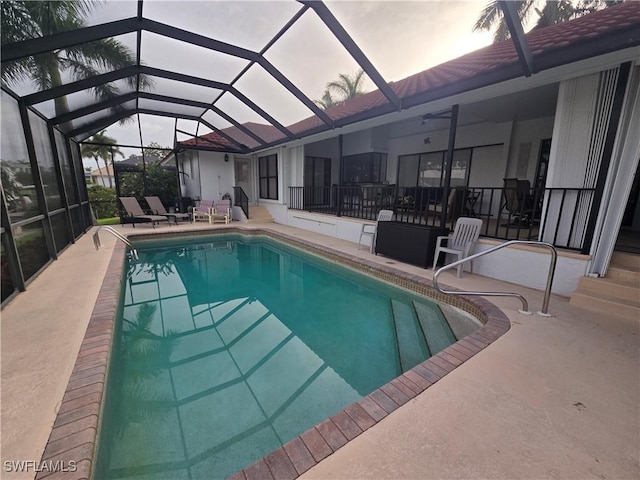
(449, 163)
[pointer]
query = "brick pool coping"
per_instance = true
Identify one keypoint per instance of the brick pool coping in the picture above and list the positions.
(76, 429)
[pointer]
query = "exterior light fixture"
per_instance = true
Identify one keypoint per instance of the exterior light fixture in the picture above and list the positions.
(226, 157)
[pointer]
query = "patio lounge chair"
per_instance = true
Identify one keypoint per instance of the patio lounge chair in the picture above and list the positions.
(455, 204)
(371, 230)
(221, 211)
(155, 204)
(204, 210)
(134, 213)
(518, 202)
(460, 242)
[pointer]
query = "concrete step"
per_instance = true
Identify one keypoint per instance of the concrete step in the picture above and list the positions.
(611, 287)
(626, 274)
(626, 260)
(412, 346)
(435, 327)
(259, 214)
(610, 305)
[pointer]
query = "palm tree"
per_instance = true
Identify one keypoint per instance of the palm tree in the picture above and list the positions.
(549, 13)
(326, 101)
(22, 20)
(345, 88)
(101, 146)
(348, 86)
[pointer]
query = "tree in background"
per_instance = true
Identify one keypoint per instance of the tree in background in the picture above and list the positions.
(549, 13)
(103, 201)
(157, 181)
(154, 149)
(23, 20)
(101, 146)
(326, 101)
(346, 87)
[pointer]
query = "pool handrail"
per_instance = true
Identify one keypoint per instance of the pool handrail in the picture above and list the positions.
(115, 233)
(525, 306)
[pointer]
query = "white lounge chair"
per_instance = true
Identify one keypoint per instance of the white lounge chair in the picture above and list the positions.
(371, 230)
(460, 242)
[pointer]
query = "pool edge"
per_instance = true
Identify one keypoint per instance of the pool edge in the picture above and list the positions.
(74, 434)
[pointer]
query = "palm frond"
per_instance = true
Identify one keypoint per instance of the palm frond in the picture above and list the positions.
(489, 15)
(16, 23)
(107, 54)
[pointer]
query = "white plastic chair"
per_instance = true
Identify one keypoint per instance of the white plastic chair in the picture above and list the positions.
(204, 210)
(221, 211)
(460, 242)
(371, 230)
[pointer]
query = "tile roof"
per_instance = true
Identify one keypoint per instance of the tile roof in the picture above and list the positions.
(552, 46)
(214, 140)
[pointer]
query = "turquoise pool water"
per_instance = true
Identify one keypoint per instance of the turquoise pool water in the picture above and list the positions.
(228, 347)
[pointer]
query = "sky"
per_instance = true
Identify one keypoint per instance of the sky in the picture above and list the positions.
(400, 38)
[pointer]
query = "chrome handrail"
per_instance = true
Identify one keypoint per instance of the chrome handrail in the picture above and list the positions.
(525, 305)
(115, 233)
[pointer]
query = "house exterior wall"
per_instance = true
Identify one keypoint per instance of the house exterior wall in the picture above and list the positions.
(530, 132)
(515, 265)
(295, 167)
(530, 269)
(188, 163)
(103, 180)
(217, 175)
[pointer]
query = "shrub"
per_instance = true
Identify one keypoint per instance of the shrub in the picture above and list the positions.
(103, 201)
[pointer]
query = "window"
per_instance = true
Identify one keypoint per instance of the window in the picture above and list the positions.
(268, 176)
(368, 167)
(427, 169)
(18, 181)
(46, 164)
(317, 180)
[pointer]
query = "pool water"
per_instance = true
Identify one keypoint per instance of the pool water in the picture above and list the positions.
(229, 347)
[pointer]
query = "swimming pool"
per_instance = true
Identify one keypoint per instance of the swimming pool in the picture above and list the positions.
(231, 346)
(78, 425)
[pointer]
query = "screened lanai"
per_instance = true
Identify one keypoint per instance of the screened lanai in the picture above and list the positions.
(251, 74)
(73, 69)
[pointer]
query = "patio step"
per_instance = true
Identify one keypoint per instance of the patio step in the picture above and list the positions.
(617, 293)
(259, 214)
(629, 309)
(611, 287)
(412, 346)
(435, 327)
(626, 260)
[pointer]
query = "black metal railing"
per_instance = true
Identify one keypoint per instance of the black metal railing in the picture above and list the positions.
(555, 215)
(241, 200)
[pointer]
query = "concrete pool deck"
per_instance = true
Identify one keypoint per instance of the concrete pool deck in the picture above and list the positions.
(553, 397)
